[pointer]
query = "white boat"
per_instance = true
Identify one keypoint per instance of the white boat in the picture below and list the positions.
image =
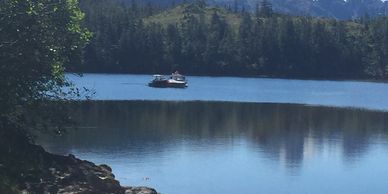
(176, 80)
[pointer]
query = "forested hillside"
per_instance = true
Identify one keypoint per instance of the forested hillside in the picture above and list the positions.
(197, 39)
(339, 9)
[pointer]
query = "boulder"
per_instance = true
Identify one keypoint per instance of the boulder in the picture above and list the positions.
(49, 173)
(106, 167)
(140, 190)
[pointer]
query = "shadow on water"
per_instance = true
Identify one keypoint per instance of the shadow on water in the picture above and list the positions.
(283, 132)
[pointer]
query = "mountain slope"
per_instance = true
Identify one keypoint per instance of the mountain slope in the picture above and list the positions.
(339, 9)
(174, 16)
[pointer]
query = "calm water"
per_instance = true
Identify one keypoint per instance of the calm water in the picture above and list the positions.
(229, 148)
(330, 93)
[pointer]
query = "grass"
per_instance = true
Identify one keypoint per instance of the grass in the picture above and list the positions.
(175, 16)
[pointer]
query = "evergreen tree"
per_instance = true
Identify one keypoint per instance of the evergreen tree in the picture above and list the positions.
(265, 9)
(204, 41)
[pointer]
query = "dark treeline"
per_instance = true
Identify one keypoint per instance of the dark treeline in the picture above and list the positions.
(201, 40)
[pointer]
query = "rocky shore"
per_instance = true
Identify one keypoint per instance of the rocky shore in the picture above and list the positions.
(30, 169)
(67, 174)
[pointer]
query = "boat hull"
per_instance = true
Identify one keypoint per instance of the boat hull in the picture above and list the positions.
(167, 85)
(158, 84)
(175, 81)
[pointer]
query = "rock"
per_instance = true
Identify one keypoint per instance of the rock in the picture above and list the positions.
(103, 183)
(68, 174)
(52, 170)
(52, 188)
(140, 190)
(71, 156)
(104, 166)
(70, 189)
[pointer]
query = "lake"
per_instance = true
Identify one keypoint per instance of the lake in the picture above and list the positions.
(368, 95)
(269, 140)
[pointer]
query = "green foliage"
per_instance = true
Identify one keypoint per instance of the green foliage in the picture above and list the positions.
(38, 41)
(198, 39)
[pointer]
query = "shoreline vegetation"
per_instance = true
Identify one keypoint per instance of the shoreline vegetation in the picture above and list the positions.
(198, 39)
(246, 76)
(37, 39)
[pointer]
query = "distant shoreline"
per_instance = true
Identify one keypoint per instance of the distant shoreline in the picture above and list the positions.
(245, 76)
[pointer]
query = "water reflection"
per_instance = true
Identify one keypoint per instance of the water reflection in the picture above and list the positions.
(222, 147)
(283, 132)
